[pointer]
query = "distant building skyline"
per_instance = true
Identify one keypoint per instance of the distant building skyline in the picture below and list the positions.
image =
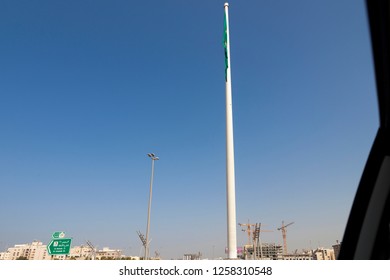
(36, 250)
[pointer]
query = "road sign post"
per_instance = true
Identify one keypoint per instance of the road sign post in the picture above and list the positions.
(59, 246)
(58, 234)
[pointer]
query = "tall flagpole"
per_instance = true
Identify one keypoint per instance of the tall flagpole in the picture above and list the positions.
(230, 177)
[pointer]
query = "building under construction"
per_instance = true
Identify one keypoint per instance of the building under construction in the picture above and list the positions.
(256, 250)
(191, 257)
(265, 251)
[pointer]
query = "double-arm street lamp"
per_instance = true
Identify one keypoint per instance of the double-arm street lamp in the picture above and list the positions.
(153, 158)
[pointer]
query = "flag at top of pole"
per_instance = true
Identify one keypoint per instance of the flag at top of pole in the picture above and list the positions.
(230, 175)
(225, 41)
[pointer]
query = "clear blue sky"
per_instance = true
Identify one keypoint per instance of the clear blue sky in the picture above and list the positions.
(88, 88)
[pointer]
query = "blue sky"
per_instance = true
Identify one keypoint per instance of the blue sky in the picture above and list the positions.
(88, 88)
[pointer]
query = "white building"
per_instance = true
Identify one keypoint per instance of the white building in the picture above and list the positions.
(323, 254)
(336, 249)
(4, 256)
(31, 251)
(264, 251)
(108, 253)
(298, 257)
(38, 251)
(82, 252)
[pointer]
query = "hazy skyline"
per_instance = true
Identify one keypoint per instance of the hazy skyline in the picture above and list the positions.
(88, 88)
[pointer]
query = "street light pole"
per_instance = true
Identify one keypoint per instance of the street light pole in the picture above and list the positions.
(153, 158)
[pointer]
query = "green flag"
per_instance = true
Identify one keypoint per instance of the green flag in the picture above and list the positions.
(225, 42)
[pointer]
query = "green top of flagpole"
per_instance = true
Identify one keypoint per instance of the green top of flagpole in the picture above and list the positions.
(225, 41)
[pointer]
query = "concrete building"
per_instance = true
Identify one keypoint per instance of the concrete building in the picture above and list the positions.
(336, 249)
(107, 253)
(298, 257)
(38, 251)
(323, 254)
(267, 251)
(192, 257)
(4, 255)
(31, 251)
(85, 252)
(82, 252)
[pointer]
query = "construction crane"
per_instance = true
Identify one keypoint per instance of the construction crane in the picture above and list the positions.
(284, 234)
(248, 230)
(255, 240)
(256, 237)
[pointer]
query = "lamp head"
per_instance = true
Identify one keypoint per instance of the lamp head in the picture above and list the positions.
(153, 156)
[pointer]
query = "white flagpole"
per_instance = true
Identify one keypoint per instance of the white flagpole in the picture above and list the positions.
(230, 177)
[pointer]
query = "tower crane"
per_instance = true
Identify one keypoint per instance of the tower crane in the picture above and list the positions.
(284, 234)
(248, 230)
(256, 236)
(257, 240)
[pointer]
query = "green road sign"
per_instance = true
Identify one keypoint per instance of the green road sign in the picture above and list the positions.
(60, 246)
(58, 234)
